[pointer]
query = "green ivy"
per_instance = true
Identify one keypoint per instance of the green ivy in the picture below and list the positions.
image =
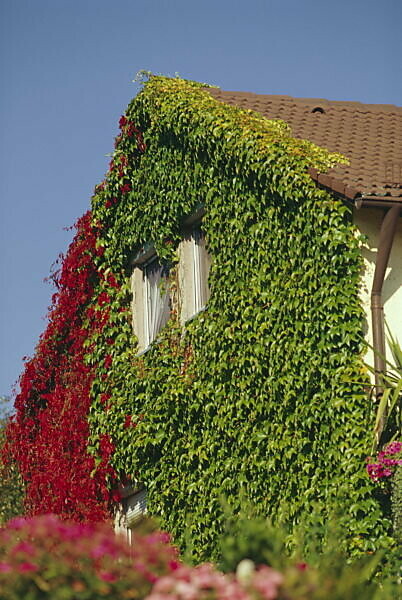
(397, 504)
(254, 400)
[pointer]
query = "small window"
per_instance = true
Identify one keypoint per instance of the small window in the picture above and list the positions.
(131, 512)
(156, 306)
(151, 299)
(194, 267)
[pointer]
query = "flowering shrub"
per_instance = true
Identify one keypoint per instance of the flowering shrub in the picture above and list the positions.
(44, 557)
(387, 460)
(206, 583)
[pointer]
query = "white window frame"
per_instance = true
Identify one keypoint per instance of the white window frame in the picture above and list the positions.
(194, 264)
(150, 312)
(131, 511)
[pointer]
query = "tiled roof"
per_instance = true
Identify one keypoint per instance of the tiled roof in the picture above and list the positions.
(369, 135)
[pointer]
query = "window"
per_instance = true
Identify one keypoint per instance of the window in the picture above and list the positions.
(156, 305)
(132, 510)
(151, 298)
(194, 267)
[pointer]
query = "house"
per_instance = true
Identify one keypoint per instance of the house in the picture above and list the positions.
(370, 185)
(225, 338)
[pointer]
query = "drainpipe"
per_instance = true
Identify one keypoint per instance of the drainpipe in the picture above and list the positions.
(387, 234)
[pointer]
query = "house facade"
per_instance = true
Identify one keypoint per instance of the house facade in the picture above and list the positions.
(226, 355)
(229, 309)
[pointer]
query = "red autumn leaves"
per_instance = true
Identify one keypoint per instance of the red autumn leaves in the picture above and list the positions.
(49, 434)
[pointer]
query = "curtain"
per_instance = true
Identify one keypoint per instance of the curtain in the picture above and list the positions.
(157, 299)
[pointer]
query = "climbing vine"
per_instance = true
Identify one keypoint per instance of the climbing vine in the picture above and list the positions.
(49, 434)
(252, 401)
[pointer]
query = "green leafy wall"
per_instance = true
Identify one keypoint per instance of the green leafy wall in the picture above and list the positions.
(254, 400)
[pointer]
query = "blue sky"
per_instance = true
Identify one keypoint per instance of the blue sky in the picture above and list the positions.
(66, 70)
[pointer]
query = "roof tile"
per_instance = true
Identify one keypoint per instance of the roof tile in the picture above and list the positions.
(370, 135)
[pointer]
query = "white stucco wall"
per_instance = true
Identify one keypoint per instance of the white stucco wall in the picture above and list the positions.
(368, 220)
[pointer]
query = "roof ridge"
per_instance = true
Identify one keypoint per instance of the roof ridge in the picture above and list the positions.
(309, 101)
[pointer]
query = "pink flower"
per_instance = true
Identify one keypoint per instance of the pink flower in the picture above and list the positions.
(383, 468)
(376, 471)
(107, 576)
(267, 581)
(5, 567)
(393, 448)
(17, 523)
(25, 548)
(26, 567)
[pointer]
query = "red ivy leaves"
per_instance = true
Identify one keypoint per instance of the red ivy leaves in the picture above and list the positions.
(49, 433)
(125, 188)
(130, 130)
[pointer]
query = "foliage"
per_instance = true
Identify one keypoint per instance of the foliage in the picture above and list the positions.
(44, 557)
(252, 538)
(11, 488)
(254, 399)
(48, 436)
(397, 504)
(311, 560)
(388, 422)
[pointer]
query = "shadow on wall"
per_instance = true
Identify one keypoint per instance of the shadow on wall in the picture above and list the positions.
(369, 223)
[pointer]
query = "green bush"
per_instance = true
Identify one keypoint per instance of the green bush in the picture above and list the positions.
(314, 567)
(11, 486)
(44, 557)
(397, 504)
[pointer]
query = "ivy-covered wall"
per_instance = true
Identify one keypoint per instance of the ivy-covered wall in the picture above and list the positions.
(257, 399)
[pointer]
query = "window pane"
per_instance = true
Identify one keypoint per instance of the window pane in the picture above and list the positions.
(156, 299)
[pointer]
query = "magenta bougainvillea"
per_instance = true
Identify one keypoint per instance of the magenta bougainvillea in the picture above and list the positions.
(48, 436)
(387, 460)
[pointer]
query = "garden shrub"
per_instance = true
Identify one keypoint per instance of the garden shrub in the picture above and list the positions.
(11, 486)
(397, 504)
(44, 557)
